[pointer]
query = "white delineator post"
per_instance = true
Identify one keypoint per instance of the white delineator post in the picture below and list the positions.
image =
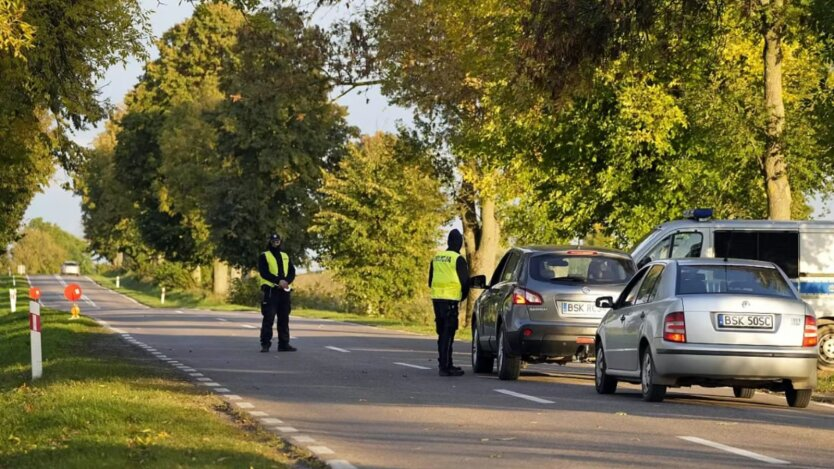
(162, 296)
(117, 281)
(13, 299)
(35, 335)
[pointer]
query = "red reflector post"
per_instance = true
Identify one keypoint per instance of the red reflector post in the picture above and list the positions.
(674, 327)
(810, 337)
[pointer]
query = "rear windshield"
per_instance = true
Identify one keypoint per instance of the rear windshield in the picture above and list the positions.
(745, 280)
(595, 269)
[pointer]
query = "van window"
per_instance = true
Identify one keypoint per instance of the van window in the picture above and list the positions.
(687, 245)
(779, 247)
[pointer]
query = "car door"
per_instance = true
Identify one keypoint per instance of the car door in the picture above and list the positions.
(500, 291)
(486, 313)
(613, 323)
(633, 322)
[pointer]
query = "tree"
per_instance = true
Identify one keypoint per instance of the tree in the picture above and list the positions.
(674, 41)
(52, 54)
(380, 219)
(276, 131)
(164, 146)
(44, 246)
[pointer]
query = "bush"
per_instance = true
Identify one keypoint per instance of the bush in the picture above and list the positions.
(171, 275)
(319, 290)
(245, 291)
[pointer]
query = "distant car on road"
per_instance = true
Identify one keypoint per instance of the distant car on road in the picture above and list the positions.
(708, 322)
(539, 305)
(70, 268)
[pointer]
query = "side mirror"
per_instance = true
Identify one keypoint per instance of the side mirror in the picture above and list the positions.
(478, 281)
(643, 262)
(604, 302)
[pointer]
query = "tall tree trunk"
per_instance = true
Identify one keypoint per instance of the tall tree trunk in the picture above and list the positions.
(481, 235)
(119, 260)
(220, 277)
(774, 166)
(197, 276)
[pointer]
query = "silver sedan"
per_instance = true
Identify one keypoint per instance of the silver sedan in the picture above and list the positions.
(708, 322)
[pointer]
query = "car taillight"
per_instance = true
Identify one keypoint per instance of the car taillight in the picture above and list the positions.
(810, 337)
(674, 327)
(522, 296)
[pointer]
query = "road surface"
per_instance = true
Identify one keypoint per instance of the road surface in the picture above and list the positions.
(364, 397)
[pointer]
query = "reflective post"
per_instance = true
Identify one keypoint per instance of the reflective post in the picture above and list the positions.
(35, 332)
(162, 296)
(13, 299)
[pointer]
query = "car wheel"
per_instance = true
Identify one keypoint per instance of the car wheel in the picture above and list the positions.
(744, 393)
(798, 397)
(651, 392)
(825, 361)
(481, 361)
(509, 367)
(605, 384)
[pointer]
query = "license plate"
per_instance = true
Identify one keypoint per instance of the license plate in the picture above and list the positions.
(580, 308)
(745, 321)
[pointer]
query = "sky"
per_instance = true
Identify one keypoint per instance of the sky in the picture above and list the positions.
(368, 110)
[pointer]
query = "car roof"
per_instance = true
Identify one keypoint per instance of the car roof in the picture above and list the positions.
(535, 249)
(749, 224)
(720, 261)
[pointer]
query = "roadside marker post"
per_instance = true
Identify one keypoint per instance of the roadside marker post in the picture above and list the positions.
(35, 332)
(162, 296)
(13, 299)
(117, 281)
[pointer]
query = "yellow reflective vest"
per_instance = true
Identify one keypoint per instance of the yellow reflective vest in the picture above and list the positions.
(445, 284)
(272, 262)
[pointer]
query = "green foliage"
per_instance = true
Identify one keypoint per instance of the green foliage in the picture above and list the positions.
(164, 147)
(245, 291)
(44, 246)
(169, 275)
(379, 223)
(52, 54)
(276, 133)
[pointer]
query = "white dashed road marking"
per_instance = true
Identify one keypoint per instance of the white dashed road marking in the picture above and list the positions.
(320, 449)
(246, 405)
(248, 326)
(303, 439)
(258, 413)
(337, 349)
(524, 396)
(221, 319)
(412, 366)
(271, 421)
(287, 429)
(180, 312)
(340, 464)
(223, 390)
(730, 449)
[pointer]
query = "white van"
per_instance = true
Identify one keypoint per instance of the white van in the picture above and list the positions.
(803, 249)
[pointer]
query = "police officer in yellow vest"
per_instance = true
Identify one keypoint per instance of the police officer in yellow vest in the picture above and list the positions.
(449, 282)
(276, 274)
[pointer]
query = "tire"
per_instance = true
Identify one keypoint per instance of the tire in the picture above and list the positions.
(651, 392)
(799, 398)
(744, 393)
(481, 361)
(509, 367)
(604, 384)
(825, 335)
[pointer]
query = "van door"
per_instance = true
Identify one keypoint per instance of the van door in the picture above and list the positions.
(678, 245)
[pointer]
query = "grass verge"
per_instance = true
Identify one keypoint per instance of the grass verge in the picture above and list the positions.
(825, 382)
(149, 295)
(101, 404)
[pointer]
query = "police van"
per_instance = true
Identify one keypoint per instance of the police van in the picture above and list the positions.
(803, 249)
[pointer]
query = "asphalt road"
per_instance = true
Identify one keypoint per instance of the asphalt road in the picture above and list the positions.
(371, 398)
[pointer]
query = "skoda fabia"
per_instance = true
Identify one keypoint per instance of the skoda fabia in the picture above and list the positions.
(708, 322)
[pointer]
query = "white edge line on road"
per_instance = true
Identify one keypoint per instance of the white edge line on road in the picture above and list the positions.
(258, 413)
(337, 349)
(233, 397)
(304, 439)
(245, 405)
(340, 464)
(730, 449)
(320, 449)
(180, 312)
(286, 429)
(271, 421)
(412, 366)
(222, 390)
(524, 396)
(824, 404)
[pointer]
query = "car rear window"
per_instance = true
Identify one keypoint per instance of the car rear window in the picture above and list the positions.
(735, 279)
(585, 268)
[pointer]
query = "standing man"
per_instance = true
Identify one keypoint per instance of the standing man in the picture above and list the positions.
(277, 273)
(449, 282)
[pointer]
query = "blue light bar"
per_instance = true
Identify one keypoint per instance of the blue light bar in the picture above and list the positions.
(698, 214)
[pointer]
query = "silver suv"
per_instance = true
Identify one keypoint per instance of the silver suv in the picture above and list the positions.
(539, 306)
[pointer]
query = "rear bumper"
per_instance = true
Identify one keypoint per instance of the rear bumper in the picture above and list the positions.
(552, 339)
(694, 365)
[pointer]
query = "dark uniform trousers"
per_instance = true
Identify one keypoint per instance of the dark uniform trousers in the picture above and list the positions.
(275, 303)
(446, 322)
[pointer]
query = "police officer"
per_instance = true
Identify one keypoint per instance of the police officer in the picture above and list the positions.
(276, 273)
(449, 282)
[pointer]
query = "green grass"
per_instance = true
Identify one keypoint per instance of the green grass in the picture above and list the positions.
(150, 294)
(102, 404)
(825, 382)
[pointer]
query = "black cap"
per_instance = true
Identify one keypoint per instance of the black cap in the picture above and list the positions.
(274, 237)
